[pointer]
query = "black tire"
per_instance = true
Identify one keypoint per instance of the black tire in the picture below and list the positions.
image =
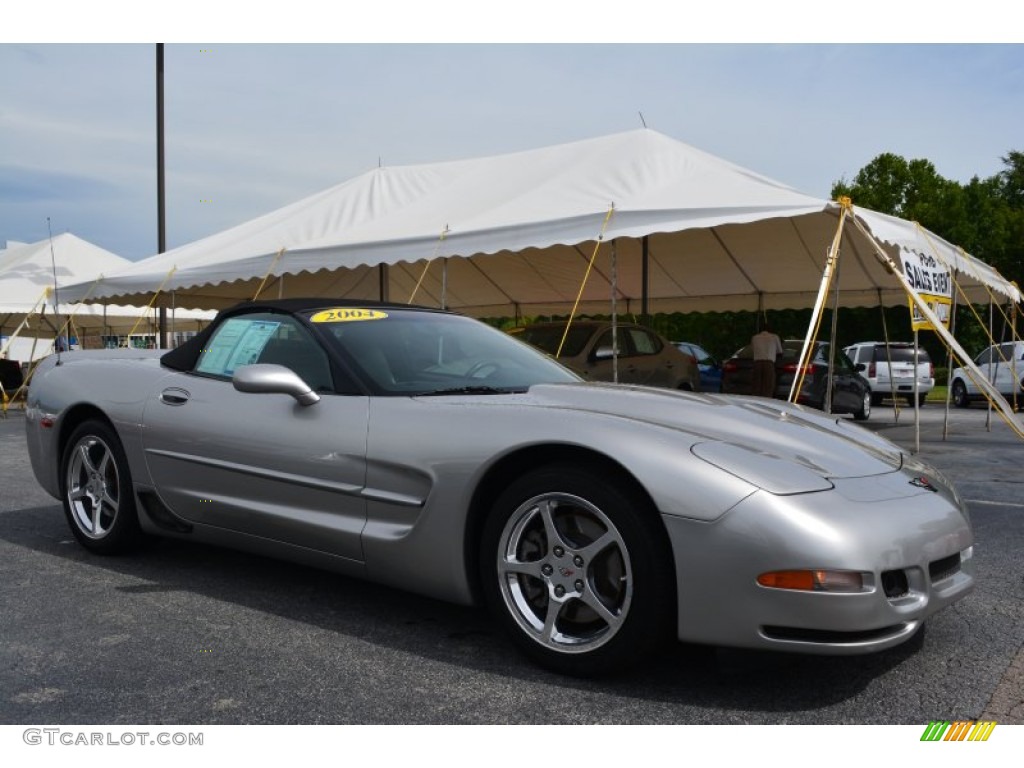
(960, 398)
(876, 399)
(577, 568)
(865, 407)
(96, 488)
(920, 400)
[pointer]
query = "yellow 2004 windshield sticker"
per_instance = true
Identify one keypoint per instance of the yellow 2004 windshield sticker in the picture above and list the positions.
(347, 315)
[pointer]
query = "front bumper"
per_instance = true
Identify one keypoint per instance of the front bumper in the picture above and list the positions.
(913, 546)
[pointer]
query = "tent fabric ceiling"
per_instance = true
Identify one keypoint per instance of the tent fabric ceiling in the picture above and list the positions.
(513, 234)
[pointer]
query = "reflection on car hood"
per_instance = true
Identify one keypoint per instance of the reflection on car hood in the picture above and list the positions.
(828, 446)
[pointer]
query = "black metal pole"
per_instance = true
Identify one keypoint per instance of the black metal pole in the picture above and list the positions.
(161, 201)
(644, 277)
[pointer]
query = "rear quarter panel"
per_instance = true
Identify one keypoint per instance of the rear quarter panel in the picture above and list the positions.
(113, 383)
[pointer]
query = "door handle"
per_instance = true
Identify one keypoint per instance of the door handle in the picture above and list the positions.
(174, 396)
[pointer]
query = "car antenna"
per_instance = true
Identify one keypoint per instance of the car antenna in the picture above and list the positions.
(56, 296)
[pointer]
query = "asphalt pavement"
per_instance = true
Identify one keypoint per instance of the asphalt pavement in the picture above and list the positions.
(182, 633)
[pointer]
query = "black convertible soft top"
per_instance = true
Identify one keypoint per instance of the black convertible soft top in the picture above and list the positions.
(184, 358)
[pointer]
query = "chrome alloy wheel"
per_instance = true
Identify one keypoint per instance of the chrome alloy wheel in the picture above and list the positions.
(93, 487)
(564, 573)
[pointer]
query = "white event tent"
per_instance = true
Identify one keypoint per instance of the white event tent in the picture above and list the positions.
(513, 234)
(28, 308)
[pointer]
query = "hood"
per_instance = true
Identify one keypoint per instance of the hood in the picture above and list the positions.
(727, 429)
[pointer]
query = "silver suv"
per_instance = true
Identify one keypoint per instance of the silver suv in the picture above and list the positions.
(874, 361)
(1000, 364)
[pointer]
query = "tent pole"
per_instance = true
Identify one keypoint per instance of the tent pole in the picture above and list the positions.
(949, 361)
(161, 197)
(888, 361)
(382, 276)
(991, 360)
(917, 404)
(831, 258)
(1013, 355)
(645, 310)
(444, 283)
(832, 347)
(615, 315)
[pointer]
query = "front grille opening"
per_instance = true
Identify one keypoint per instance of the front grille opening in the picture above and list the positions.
(944, 568)
(831, 637)
(894, 584)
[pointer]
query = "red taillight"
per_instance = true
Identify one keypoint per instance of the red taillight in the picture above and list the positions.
(871, 370)
(931, 370)
(808, 370)
(730, 367)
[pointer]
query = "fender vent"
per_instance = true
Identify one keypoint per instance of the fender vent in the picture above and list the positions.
(161, 516)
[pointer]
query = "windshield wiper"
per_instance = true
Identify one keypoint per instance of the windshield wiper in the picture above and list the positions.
(478, 389)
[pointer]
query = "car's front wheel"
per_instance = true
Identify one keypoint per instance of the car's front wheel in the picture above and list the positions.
(97, 490)
(578, 570)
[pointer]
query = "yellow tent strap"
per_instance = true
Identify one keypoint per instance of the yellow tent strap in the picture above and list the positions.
(152, 301)
(423, 274)
(980, 319)
(10, 339)
(952, 345)
(830, 263)
(78, 306)
(991, 297)
(273, 264)
(586, 275)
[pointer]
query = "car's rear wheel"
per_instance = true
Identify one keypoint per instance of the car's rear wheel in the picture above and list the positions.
(97, 490)
(578, 570)
(960, 399)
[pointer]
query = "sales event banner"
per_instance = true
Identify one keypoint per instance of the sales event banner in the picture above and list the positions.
(930, 279)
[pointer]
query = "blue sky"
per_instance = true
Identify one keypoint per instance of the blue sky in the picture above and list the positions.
(253, 127)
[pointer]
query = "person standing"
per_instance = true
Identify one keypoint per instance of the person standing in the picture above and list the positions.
(765, 347)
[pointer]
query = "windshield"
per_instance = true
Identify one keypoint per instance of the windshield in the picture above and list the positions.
(410, 352)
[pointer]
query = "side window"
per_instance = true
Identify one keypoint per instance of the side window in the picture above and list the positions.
(605, 340)
(266, 338)
(644, 342)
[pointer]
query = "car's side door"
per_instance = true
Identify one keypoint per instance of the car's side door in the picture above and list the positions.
(655, 363)
(261, 464)
(601, 366)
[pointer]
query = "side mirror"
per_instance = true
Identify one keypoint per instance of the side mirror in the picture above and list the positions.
(861, 367)
(604, 353)
(266, 378)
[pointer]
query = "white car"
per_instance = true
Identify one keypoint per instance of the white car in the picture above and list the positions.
(1000, 364)
(891, 371)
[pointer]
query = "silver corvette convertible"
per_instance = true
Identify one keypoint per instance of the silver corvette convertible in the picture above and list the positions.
(428, 451)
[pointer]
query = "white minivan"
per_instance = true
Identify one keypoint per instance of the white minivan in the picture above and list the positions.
(1000, 364)
(873, 361)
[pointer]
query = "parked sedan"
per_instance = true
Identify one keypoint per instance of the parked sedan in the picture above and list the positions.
(710, 369)
(644, 356)
(433, 453)
(850, 392)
